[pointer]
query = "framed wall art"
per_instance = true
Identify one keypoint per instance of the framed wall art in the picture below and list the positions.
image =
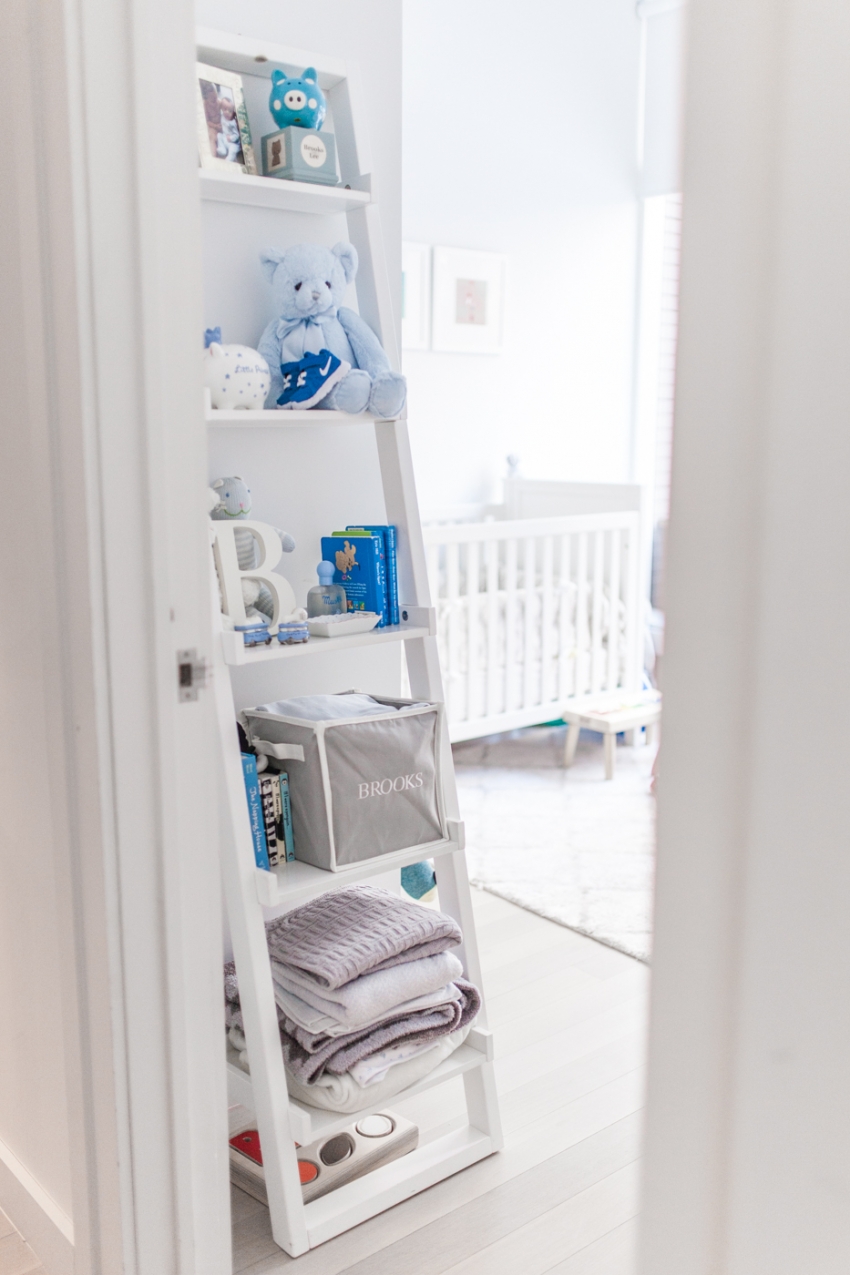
(468, 301)
(224, 134)
(416, 296)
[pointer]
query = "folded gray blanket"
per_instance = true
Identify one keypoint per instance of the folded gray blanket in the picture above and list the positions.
(357, 930)
(309, 1056)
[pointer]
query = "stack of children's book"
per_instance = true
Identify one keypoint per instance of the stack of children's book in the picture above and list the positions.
(365, 561)
(270, 811)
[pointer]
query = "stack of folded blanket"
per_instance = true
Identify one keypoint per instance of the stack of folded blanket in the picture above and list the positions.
(369, 995)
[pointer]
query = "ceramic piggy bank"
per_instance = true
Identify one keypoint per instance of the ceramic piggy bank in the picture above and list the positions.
(298, 100)
(236, 376)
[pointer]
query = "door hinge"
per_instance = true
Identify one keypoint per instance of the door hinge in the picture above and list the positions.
(192, 675)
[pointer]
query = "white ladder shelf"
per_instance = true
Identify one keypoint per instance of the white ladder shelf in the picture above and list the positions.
(282, 1121)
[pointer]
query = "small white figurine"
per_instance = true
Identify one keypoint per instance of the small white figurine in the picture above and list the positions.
(235, 375)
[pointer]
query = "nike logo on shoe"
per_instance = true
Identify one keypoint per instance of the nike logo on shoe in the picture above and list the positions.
(323, 371)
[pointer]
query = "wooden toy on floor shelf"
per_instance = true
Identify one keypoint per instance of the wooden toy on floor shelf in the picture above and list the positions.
(328, 1162)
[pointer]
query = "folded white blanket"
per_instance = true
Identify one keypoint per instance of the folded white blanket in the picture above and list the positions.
(370, 997)
(315, 1022)
(372, 1070)
(342, 1093)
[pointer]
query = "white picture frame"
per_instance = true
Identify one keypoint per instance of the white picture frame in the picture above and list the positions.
(416, 296)
(468, 301)
(224, 139)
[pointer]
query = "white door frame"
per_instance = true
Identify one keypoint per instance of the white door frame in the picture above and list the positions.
(748, 1116)
(100, 252)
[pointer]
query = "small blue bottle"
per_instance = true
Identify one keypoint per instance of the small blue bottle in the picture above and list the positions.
(326, 598)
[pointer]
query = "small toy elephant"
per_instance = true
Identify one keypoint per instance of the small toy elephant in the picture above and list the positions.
(298, 100)
(230, 498)
(318, 351)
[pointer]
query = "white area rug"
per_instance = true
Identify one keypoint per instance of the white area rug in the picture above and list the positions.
(565, 844)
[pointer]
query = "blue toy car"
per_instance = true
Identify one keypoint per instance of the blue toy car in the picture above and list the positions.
(254, 634)
(293, 631)
(297, 101)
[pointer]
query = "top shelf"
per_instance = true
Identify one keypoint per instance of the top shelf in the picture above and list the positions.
(277, 192)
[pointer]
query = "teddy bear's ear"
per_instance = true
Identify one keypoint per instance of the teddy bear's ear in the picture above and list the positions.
(347, 254)
(310, 75)
(270, 259)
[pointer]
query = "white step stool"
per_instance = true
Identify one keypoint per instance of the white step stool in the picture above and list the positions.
(609, 717)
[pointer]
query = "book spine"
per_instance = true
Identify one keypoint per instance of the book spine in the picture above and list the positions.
(268, 784)
(381, 556)
(392, 574)
(255, 809)
(286, 806)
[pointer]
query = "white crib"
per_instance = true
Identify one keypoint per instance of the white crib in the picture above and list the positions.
(537, 612)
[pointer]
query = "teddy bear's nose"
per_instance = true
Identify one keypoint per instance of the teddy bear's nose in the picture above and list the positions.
(316, 294)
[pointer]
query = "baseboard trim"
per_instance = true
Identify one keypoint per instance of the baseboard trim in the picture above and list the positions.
(44, 1225)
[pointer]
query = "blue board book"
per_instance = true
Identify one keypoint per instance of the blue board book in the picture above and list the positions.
(389, 536)
(255, 809)
(359, 563)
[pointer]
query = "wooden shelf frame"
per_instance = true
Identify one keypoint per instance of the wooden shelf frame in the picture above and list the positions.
(297, 1227)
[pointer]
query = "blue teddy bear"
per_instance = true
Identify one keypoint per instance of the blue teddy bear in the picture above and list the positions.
(297, 101)
(319, 352)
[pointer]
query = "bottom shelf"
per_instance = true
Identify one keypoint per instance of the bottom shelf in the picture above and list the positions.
(309, 1123)
(357, 1201)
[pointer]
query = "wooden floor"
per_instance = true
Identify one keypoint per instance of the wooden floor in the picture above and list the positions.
(568, 1017)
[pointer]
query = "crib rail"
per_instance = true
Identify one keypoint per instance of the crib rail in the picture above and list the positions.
(533, 614)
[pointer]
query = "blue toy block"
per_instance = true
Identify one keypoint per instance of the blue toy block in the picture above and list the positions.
(301, 155)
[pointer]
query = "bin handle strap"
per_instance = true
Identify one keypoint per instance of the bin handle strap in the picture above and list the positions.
(283, 752)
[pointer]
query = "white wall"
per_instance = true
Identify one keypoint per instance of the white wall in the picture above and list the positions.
(520, 136)
(747, 1167)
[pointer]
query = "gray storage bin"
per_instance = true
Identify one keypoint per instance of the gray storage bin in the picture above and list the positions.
(364, 773)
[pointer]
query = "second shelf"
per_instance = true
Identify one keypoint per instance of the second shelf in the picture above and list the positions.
(310, 1123)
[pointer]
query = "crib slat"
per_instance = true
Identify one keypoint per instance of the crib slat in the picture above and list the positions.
(432, 559)
(582, 626)
(565, 683)
(493, 699)
(453, 679)
(529, 598)
(547, 689)
(473, 664)
(614, 612)
(511, 698)
(596, 630)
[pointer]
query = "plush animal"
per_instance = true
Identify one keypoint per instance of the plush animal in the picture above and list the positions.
(318, 351)
(235, 375)
(298, 100)
(230, 498)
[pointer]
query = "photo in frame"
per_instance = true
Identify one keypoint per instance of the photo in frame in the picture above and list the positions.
(224, 134)
(468, 301)
(416, 296)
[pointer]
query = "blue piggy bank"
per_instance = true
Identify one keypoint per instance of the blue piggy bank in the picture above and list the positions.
(297, 101)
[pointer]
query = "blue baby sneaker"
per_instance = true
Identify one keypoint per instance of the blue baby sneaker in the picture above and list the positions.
(308, 381)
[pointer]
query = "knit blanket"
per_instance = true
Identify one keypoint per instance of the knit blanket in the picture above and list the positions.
(357, 930)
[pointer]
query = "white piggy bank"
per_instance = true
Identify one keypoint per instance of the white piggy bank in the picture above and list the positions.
(236, 376)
